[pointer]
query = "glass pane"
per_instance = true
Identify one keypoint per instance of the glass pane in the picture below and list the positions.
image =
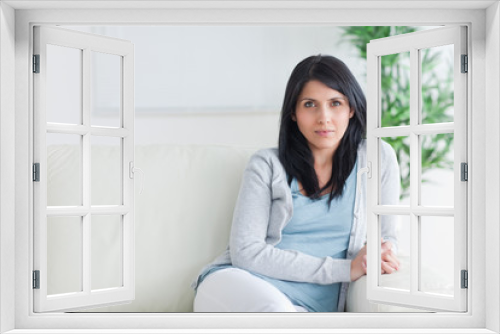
(64, 169)
(436, 255)
(395, 89)
(106, 251)
(437, 84)
(399, 279)
(106, 89)
(64, 255)
(401, 146)
(437, 182)
(106, 170)
(64, 85)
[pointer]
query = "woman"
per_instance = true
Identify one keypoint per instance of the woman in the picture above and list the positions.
(299, 227)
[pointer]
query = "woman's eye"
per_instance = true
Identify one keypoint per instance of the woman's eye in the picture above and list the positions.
(336, 103)
(309, 104)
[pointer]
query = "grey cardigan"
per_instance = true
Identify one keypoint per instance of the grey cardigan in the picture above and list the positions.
(264, 206)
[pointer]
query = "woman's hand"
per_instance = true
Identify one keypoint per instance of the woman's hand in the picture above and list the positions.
(389, 261)
(358, 265)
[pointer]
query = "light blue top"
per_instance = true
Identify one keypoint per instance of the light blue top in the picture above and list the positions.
(264, 207)
(317, 230)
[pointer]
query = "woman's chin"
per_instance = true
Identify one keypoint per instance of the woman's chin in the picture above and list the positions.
(323, 147)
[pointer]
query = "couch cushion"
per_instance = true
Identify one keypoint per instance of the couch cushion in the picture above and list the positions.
(182, 218)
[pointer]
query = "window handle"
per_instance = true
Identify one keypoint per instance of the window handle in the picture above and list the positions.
(361, 171)
(133, 170)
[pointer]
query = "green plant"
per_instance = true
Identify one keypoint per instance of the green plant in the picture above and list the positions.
(436, 98)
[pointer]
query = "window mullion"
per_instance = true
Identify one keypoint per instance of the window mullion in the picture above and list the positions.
(414, 170)
(419, 211)
(432, 129)
(84, 129)
(54, 211)
(87, 218)
(86, 254)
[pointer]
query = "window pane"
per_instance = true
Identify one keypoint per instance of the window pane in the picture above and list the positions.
(437, 84)
(401, 278)
(436, 254)
(64, 85)
(106, 89)
(401, 146)
(107, 256)
(106, 170)
(64, 169)
(395, 89)
(64, 255)
(437, 179)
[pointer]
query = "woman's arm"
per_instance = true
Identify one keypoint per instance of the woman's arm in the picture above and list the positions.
(260, 201)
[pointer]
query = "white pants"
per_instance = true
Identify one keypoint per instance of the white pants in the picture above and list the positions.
(236, 290)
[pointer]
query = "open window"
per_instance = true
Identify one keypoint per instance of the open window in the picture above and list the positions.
(432, 284)
(85, 132)
(96, 209)
(17, 228)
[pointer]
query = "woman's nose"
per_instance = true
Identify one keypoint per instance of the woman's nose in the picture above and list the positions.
(323, 115)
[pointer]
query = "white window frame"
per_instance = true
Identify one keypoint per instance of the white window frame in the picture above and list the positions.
(484, 213)
(413, 43)
(124, 51)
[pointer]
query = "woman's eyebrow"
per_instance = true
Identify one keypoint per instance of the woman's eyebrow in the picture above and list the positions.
(333, 98)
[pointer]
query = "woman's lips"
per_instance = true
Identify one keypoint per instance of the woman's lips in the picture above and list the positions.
(324, 133)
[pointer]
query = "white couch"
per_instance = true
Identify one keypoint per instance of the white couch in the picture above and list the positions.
(182, 220)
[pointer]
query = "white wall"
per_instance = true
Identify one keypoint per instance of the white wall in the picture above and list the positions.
(218, 84)
(491, 164)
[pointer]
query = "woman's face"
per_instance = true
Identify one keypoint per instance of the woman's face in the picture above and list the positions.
(322, 115)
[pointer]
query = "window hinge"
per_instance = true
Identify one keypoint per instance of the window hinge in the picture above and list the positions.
(36, 63)
(36, 172)
(464, 171)
(36, 279)
(465, 279)
(465, 64)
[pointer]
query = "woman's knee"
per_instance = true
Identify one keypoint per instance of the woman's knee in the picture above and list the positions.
(235, 290)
